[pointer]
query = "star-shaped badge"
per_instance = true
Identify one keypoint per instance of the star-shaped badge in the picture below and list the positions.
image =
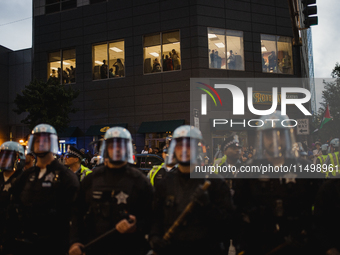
(183, 132)
(121, 198)
(7, 187)
(49, 177)
(116, 133)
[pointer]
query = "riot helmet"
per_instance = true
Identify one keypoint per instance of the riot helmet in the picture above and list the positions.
(324, 149)
(274, 140)
(184, 147)
(117, 146)
(12, 155)
(334, 143)
(43, 139)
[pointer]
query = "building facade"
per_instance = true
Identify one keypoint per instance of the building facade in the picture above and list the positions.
(133, 60)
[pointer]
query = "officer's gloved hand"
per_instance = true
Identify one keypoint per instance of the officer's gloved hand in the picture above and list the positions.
(201, 197)
(76, 249)
(159, 245)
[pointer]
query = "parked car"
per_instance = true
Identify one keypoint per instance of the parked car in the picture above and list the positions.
(145, 162)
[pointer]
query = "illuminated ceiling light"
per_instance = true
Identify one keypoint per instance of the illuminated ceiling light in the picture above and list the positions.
(54, 68)
(99, 62)
(220, 45)
(212, 36)
(155, 54)
(263, 49)
(64, 63)
(175, 43)
(172, 40)
(116, 49)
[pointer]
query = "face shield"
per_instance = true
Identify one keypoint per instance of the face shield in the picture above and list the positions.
(117, 150)
(42, 143)
(277, 143)
(183, 151)
(7, 160)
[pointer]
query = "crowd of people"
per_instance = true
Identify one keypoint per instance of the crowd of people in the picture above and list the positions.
(58, 206)
(68, 75)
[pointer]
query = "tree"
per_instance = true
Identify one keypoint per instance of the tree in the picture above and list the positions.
(330, 96)
(46, 102)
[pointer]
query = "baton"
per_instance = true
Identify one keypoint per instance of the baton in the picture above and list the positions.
(181, 217)
(102, 236)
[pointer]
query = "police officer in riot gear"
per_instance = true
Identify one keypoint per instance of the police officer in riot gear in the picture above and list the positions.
(12, 159)
(206, 227)
(276, 206)
(43, 195)
(116, 195)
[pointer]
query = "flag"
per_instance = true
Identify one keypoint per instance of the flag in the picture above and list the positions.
(326, 118)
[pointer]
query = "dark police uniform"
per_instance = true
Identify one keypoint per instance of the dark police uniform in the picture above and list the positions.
(105, 197)
(44, 207)
(327, 220)
(205, 228)
(6, 230)
(277, 210)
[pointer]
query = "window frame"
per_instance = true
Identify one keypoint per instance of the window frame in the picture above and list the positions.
(276, 52)
(60, 3)
(161, 45)
(226, 49)
(108, 59)
(61, 64)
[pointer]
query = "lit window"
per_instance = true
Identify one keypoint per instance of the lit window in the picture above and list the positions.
(62, 66)
(225, 49)
(276, 54)
(162, 52)
(108, 60)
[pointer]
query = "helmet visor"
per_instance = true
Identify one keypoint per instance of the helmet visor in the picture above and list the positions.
(7, 159)
(42, 143)
(183, 151)
(278, 143)
(118, 150)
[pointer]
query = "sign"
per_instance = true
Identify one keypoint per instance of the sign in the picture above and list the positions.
(302, 127)
(263, 97)
(197, 122)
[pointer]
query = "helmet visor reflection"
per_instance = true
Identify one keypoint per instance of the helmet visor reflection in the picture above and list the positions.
(117, 149)
(7, 159)
(41, 143)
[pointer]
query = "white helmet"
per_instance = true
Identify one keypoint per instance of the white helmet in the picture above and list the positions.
(44, 139)
(117, 146)
(187, 138)
(334, 143)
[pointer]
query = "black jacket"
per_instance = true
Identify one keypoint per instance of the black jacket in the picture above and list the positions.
(105, 197)
(206, 227)
(45, 206)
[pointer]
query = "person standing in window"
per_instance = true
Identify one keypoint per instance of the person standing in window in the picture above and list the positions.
(272, 62)
(175, 59)
(156, 66)
(120, 67)
(169, 64)
(218, 60)
(212, 59)
(231, 60)
(103, 70)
